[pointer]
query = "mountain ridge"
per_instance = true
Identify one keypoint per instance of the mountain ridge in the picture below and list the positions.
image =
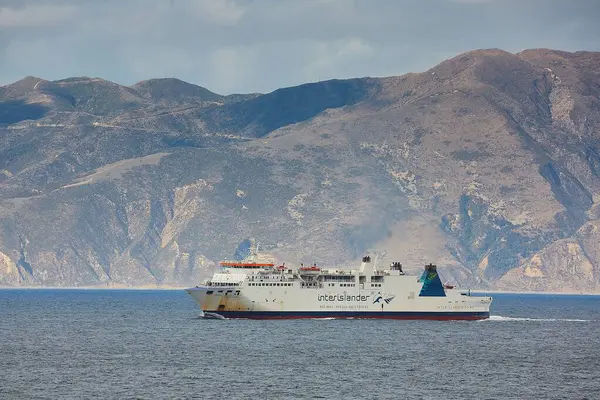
(486, 163)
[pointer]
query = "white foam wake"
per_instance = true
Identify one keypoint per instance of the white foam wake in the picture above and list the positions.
(501, 318)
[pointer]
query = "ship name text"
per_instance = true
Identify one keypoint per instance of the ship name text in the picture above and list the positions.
(342, 297)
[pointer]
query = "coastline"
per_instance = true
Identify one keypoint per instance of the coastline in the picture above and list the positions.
(478, 291)
(141, 288)
(93, 287)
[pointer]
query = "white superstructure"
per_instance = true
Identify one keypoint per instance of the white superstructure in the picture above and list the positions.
(249, 289)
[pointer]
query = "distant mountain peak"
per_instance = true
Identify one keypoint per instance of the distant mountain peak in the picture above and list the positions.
(24, 85)
(173, 90)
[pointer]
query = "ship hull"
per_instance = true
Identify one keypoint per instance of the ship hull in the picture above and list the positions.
(426, 309)
(396, 315)
(364, 294)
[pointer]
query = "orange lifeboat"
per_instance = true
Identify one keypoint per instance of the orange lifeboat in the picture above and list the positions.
(245, 264)
(312, 269)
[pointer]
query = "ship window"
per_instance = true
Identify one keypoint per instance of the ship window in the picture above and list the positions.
(220, 291)
(209, 292)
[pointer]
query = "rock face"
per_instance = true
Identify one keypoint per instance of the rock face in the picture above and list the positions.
(488, 165)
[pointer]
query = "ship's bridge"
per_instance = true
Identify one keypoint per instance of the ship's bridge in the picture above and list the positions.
(227, 279)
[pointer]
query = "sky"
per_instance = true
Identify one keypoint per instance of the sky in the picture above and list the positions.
(242, 46)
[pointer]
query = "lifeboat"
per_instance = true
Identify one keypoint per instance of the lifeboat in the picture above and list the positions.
(239, 264)
(310, 270)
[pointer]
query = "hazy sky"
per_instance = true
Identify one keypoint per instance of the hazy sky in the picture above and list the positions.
(260, 45)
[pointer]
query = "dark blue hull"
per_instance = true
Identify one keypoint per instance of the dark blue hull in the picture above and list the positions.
(406, 315)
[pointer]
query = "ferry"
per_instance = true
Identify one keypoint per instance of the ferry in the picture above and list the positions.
(261, 290)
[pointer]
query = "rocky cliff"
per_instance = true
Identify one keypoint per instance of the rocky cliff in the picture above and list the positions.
(488, 165)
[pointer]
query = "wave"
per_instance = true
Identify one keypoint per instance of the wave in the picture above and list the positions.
(521, 319)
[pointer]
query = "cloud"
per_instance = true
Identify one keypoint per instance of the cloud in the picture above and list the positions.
(471, 1)
(328, 55)
(36, 16)
(260, 45)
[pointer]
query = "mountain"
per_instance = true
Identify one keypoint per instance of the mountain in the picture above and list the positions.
(487, 165)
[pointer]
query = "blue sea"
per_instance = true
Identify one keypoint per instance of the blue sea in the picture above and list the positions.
(110, 344)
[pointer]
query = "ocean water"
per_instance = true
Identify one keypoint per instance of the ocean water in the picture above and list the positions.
(110, 344)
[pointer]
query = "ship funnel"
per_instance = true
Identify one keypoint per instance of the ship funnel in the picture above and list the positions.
(432, 285)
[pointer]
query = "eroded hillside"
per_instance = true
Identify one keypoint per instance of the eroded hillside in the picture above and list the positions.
(488, 165)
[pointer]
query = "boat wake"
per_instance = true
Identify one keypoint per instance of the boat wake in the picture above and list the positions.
(210, 315)
(521, 319)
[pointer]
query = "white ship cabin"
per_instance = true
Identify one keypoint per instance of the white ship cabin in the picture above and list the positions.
(252, 274)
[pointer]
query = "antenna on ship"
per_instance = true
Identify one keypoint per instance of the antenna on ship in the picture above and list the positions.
(379, 255)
